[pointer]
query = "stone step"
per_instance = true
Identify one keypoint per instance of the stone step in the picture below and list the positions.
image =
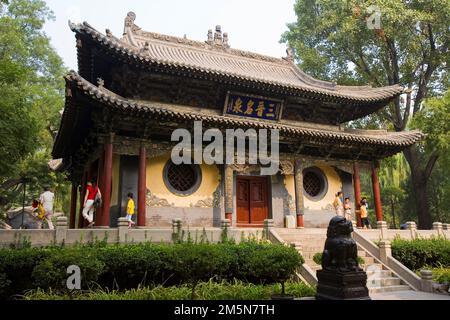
(311, 249)
(379, 273)
(373, 266)
(301, 231)
(388, 289)
(383, 282)
(308, 243)
(368, 260)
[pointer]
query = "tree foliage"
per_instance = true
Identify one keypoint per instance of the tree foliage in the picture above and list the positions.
(336, 40)
(32, 86)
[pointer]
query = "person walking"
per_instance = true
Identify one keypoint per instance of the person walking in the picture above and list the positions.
(364, 214)
(338, 205)
(92, 191)
(47, 199)
(130, 210)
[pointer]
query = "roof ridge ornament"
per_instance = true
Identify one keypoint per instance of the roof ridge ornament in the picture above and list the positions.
(219, 40)
(210, 37)
(146, 48)
(100, 83)
(130, 28)
(290, 54)
(218, 36)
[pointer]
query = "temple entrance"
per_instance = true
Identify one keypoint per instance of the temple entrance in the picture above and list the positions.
(252, 201)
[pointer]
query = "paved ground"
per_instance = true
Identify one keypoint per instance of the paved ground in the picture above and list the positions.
(409, 295)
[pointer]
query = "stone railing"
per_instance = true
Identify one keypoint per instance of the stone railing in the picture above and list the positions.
(122, 234)
(383, 253)
(411, 232)
(304, 272)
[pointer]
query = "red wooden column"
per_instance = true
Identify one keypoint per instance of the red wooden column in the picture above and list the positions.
(376, 193)
(298, 182)
(73, 204)
(357, 187)
(142, 186)
(107, 178)
(82, 194)
(100, 183)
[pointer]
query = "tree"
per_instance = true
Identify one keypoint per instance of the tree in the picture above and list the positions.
(334, 40)
(32, 88)
(434, 121)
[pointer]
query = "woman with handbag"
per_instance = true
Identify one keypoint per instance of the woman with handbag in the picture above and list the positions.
(92, 193)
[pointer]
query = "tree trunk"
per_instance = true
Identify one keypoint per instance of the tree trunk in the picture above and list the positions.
(419, 182)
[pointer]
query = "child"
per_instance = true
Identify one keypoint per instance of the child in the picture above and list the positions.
(348, 209)
(364, 218)
(130, 210)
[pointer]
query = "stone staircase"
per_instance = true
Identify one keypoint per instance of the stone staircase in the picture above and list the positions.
(379, 278)
(311, 241)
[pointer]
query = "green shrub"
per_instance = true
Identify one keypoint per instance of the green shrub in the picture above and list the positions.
(128, 266)
(418, 253)
(16, 267)
(52, 271)
(441, 274)
(317, 258)
(275, 263)
(120, 267)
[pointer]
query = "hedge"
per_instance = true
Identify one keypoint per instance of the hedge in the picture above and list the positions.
(120, 267)
(419, 253)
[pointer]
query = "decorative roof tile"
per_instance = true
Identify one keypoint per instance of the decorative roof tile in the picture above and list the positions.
(215, 57)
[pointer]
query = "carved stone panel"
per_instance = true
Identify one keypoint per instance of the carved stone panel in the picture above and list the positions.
(228, 189)
(153, 201)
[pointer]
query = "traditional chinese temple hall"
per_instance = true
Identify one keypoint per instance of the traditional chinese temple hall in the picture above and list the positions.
(132, 91)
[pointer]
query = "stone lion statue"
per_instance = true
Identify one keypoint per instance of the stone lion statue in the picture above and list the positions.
(340, 253)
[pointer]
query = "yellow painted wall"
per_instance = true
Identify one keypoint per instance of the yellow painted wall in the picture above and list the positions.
(155, 183)
(115, 180)
(334, 185)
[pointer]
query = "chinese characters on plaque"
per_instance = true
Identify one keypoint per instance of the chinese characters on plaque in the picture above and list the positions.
(253, 106)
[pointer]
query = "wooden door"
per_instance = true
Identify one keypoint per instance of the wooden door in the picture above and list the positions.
(243, 201)
(252, 201)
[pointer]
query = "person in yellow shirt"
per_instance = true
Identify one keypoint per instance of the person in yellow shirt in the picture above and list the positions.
(130, 210)
(364, 214)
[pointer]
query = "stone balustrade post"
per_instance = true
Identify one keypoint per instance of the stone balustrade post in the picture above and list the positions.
(176, 229)
(385, 250)
(122, 225)
(61, 230)
(382, 226)
(176, 225)
(225, 223)
(426, 280)
(446, 226)
(268, 224)
(439, 229)
(411, 225)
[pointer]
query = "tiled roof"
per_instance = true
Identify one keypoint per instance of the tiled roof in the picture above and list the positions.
(139, 108)
(214, 57)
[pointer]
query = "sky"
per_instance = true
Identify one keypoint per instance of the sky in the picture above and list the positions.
(253, 25)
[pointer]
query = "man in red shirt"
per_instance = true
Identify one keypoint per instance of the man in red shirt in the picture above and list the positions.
(88, 208)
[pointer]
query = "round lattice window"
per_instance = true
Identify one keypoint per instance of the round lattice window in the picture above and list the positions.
(183, 179)
(314, 183)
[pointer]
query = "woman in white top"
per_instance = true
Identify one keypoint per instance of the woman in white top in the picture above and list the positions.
(338, 205)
